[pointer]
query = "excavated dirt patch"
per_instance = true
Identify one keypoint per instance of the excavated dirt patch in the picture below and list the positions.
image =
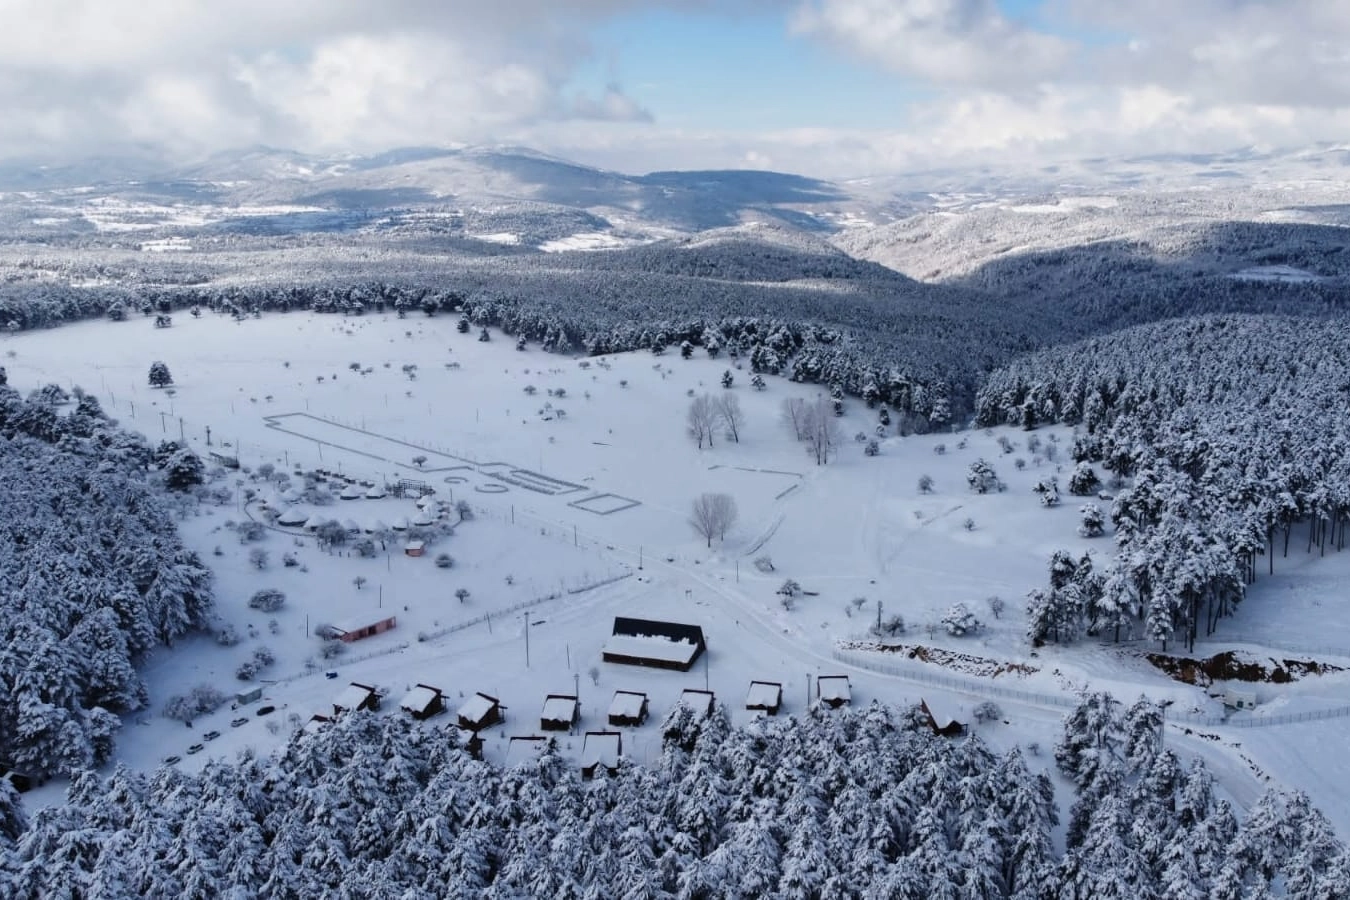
(965, 663)
(1232, 665)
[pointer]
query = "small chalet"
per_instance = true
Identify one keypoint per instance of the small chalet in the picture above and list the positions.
(423, 702)
(833, 690)
(940, 719)
(414, 548)
(661, 645)
(601, 748)
(699, 702)
(1239, 699)
(561, 712)
(765, 696)
(628, 708)
(480, 711)
(522, 749)
(356, 696)
(315, 724)
(21, 781)
(357, 629)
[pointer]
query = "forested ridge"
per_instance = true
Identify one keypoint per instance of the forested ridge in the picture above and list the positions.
(1231, 431)
(862, 803)
(92, 577)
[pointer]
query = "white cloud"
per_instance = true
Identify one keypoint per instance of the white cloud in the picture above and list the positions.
(197, 75)
(966, 42)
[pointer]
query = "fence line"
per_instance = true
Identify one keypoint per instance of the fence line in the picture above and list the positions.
(985, 688)
(516, 607)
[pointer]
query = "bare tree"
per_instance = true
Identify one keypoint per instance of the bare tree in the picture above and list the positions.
(822, 433)
(712, 515)
(730, 415)
(794, 415)
(701, 420)
(724, 506)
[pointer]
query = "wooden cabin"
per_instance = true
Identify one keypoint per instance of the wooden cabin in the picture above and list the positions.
(833, 691)
(479, 711)
(423, 702)
(699, 702)
(356, 696)
(561, 712)
(940, 719)
(601, 748)
(628, 708)
(765, 696)
(661, 645)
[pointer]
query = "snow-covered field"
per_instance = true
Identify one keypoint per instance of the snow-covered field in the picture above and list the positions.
(589, 481)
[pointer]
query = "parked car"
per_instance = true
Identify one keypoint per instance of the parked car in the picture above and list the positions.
(264, 710)
(243, 720)
(195, 748)
(172, 760)
(211, 735)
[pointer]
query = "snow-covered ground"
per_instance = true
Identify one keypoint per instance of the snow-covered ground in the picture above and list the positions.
(589, 481)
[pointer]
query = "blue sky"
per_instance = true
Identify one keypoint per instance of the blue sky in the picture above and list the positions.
(699, 70)
(825, 87)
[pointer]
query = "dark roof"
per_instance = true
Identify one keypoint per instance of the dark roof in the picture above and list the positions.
(675, 631)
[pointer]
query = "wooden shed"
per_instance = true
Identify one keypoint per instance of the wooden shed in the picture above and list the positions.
(523, 749)
(423, 702)
(414, 548)
(661, 645)
(601, 748)
(765, 696)
(561, 712)
(940, 719)
(356, 696)
(833, 690)
(479, 711)
(359, 629)
(628, 708)
(700, 702)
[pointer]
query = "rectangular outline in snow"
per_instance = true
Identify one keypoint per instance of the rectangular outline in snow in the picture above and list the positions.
(273, 421)
(623, 503)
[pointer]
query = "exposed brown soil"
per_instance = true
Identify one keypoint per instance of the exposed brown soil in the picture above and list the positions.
(951, 659)
(1230, 666)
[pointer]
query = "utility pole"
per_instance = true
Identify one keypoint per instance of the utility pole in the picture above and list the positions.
(181, 436)
(878, 618)
(527, 638)
(208, 435)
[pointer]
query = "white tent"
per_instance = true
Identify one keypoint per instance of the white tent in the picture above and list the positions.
(291, 496)
(314, 521)
(352, 492)
(423, 518)
(375, 493)
(402, 523)
(351, 527)
(374, 526)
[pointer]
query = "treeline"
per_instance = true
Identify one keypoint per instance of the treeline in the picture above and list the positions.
(1230, 430)
(854, 804)
(92, 577)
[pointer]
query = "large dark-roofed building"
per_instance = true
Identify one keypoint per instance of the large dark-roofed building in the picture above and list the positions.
(660, 645)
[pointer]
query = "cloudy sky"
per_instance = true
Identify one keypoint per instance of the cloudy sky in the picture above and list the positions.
(824, 87)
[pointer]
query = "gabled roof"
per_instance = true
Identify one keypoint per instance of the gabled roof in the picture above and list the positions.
(764, 693)
(833, 687)
(477, 706)
(601, 748)
(353, 695)
(627, 703)
(419, 699)
(524, 749)
(942, 714)
(559, 708)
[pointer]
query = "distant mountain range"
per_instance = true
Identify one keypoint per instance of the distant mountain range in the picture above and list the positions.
(517, 197)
